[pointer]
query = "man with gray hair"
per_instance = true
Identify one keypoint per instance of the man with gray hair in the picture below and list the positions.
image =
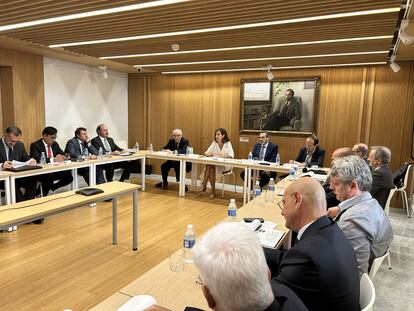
(177, 143)
(235, 275)
(382, 181)
(360, 217)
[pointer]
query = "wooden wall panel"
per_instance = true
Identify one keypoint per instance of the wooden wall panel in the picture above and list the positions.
(6, 95)
(28, 111)
(360, 104)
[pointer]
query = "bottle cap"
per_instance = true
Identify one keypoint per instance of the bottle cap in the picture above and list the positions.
(271, 179)
(257, 182)
(190, 227)
(232, 200)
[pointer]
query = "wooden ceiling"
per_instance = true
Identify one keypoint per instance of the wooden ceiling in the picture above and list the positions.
(200, 15)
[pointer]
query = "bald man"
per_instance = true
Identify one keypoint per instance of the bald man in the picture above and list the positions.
(361, 150)
(331, 199)
(321, 268)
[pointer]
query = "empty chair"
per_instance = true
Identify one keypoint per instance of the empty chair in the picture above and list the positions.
(367, 293)
(403, 190)
(377, 263)
(388, 202)
(223, 176)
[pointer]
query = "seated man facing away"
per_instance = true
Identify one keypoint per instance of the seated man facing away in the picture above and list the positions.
(79, 146)
(264, 151)
(361, 150)
(359, 215)
(321, 267)
(311, 154)
(48, 145)
(382, 181)
(108, 146)
(235, 275)
(177, 143)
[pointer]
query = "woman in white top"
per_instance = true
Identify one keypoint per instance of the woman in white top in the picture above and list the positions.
(220, 148)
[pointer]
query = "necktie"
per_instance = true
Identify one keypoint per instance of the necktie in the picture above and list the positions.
(49, 152)
(262, 153)
(11, 154)
(284, 110)
(107, 147)
(84, 149)
(308, 158)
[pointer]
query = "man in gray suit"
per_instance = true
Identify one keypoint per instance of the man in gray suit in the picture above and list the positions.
(11, 148)
(359, 215)
(382, 181)
(80, 146)
(288, 112)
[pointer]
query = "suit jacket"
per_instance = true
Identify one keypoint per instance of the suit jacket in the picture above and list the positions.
(321, 268)
(38, 147)
(318, 156)
(182, 145)
(19, 151)
(293, 112)
(73, 148)
(97, 143)
(271, 152)
(382, 183)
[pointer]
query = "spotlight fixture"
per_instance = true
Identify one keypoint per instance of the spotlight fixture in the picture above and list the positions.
(394, 66)
(405, 37)
(175, 47)
(104, 69)
(269, 74)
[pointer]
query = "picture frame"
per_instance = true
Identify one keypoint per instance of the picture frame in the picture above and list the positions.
(271, 106)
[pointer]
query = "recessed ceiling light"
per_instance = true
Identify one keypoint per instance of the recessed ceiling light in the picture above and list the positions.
(260, 59)
(91, 13)
(277, 68)
(250, 47)
(243, 26)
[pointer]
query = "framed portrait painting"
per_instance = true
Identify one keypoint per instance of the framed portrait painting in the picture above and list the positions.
(280, 106)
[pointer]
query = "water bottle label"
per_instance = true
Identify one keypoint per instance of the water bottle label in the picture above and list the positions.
(257, 192)
(271, 187)
(189, 243)
(231, 213)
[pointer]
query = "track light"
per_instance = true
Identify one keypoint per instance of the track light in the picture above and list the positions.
(104, 69)
(394, 66)
(269, 74)
(405, 37)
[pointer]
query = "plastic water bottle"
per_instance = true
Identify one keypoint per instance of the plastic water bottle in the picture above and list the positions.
(150, 148)
(136, 147)
(232, 210)
(277, 159)
(189, 241)
(43, 158)
(187, 151)
(257, 191)
(250, 156)
(292, 173)
(100, 153)
(270, 194)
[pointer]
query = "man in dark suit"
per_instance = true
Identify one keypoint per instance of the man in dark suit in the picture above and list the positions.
(177, 143)
(289, 111)
(382, 181)
(12, 149)
(361, 150)
(321, 268)
(108, 146)
(264, 151)
(79, 147)
(50, 148)
(311, 154)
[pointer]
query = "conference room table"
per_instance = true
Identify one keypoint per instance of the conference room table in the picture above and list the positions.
(10, 185)
(176, 290)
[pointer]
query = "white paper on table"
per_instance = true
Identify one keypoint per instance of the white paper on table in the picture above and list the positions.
(138, 303)
(18, 164)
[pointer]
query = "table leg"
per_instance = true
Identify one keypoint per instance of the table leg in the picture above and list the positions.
(143, 174)
(245, 185)
(135, 220)
(75, 184)
(13, 189)
(92, 175)
(194, 176)
(114, 220)
(7, 190)
(249, 182)
(181, 185)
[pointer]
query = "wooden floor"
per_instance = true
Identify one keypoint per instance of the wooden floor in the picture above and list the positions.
(69, 262)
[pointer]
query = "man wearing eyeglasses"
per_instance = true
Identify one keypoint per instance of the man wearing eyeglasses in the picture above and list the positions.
(264, 150)
(177, 143)
(321, 267)
(53, 153)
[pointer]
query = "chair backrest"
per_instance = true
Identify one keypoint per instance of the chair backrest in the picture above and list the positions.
(387, 204)
(367, 293)
(407, 175)
(376, 264)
